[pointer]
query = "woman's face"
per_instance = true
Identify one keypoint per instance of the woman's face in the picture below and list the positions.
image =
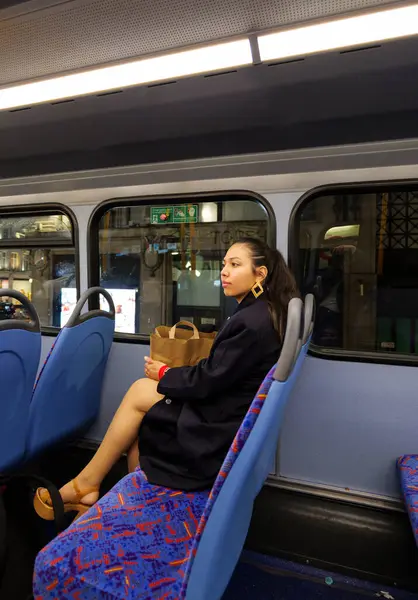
(237, 274)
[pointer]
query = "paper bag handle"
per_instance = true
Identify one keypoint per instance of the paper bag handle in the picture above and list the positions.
(172, 332)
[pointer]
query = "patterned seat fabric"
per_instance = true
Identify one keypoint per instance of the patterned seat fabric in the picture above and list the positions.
(408, 470)
(139, 540)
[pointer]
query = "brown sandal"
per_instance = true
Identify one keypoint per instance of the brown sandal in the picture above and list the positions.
(43, 505)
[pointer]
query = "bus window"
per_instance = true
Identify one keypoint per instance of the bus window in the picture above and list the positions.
(358, 252)
(162, 262)
(37, 258)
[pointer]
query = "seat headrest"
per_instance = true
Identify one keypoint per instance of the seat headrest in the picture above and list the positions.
(292, 340)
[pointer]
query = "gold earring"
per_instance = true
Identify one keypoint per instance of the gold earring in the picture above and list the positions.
(257, 289)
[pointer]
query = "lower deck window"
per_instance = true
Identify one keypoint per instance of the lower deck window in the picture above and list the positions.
(37, 258)
(162, 262)
(357, 250)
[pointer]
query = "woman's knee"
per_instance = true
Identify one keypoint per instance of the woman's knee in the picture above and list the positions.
(144, 386)
(143, 393)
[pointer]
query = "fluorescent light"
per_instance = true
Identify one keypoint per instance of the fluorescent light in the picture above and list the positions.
(158, 68)
(209, 212)
(343, 231)
(350, 31)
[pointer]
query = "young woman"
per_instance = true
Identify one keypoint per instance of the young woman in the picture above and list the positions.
(187, 417)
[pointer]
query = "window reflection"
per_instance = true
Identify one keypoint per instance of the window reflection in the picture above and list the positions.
(29, 227)
(359, 254)
(42, 274)
(162, 271)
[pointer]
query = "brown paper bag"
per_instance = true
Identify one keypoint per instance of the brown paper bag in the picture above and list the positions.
(180, 347)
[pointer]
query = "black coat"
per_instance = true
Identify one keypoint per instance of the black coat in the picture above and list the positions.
(184, 438)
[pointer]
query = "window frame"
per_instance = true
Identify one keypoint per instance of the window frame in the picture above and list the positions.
(156, 200)
(405, 185)
(45, 209)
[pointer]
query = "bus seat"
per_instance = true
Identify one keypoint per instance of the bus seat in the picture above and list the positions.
(408, 471)
(144, 541)
(229, 509)
(66, 397)
(308, 325)
(20, 350)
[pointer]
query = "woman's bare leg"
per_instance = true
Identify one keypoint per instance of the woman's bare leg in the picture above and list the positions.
(121, 435)
(133, 457)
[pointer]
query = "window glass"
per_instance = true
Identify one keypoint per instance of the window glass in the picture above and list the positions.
(37, 258)
(162, 263)
(36, 227)
(358, 253)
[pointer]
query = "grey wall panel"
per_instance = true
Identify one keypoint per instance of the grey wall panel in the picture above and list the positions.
(347, 423)
(45, 39)
(126, 365)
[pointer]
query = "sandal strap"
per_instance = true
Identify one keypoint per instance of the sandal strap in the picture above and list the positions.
(81, 493)
(46, 497)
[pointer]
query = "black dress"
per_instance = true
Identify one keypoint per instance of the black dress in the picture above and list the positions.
(184, 438)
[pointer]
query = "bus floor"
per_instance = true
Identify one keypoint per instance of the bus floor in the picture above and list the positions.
(260, 577)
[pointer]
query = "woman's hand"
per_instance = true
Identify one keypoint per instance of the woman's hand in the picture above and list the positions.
(152, 368)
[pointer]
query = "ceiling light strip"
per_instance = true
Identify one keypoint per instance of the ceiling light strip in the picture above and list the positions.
(149, 70)
(341, 33)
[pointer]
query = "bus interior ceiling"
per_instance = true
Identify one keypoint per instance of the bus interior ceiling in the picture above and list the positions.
(337, 97)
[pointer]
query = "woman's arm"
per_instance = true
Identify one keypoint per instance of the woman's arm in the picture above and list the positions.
(220, 371)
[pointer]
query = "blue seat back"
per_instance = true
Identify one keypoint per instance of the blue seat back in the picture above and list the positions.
(66, 398)
(20, 350)
(225, 522)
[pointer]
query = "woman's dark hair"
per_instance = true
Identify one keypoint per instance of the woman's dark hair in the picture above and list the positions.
(279, 286)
